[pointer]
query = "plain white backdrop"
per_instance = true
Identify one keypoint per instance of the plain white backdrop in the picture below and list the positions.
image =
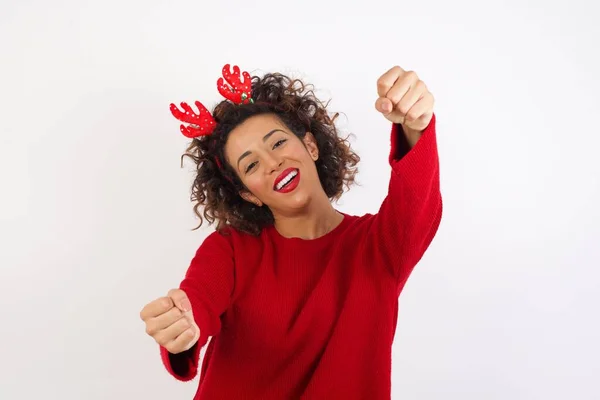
(95, 212)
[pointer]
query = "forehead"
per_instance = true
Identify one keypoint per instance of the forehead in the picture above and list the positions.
(251, 132)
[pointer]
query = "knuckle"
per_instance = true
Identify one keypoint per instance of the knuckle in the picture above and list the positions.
(161, 338)
(412, 74)
(171, 348)
(165, 303)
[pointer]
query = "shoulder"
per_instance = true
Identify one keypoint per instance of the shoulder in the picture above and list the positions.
(224, 247)
(231, 239)
(357, 220)
(357, 224)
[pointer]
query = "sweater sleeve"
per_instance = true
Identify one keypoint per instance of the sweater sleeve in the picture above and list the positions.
(208, 283)
(410, 214)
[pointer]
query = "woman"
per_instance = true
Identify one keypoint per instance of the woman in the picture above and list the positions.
(300, 300)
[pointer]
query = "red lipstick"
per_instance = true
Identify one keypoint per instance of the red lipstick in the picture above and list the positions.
(289, 178)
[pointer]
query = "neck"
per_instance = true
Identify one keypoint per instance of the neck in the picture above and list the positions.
(317, 220)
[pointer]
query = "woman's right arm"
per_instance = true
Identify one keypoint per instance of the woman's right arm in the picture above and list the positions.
(208, 284)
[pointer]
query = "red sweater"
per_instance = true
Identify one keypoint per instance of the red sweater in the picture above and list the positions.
(312, 319)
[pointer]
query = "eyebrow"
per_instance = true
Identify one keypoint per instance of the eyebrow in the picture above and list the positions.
(264, 139)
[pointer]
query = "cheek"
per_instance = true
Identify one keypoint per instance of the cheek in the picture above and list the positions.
(303, 154)
(299, 152)
(256, 184)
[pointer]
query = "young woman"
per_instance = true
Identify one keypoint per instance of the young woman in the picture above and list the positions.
(299, 299)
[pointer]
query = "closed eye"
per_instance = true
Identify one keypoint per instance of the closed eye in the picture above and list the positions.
(250, 166)
(279, 143)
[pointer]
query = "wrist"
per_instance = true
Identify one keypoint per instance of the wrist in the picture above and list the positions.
(412, 135)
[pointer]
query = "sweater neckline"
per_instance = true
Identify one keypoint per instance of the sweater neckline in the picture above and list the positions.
(308, 242)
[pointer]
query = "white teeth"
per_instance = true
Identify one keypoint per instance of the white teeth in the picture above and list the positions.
(285, 180)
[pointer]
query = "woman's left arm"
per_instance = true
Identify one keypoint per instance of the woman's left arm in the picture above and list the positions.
(409, 217)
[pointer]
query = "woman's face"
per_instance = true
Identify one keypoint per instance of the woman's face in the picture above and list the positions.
(277, 167)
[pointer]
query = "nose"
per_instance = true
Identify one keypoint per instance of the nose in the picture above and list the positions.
(273, 162)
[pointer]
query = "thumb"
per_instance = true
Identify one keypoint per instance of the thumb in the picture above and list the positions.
(384, 105)
(196, 331)
(180, 299)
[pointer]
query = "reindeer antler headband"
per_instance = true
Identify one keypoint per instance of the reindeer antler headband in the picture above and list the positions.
(203, 123)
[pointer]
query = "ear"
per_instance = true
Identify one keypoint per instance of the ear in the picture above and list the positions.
(311, 145)
(250, 198)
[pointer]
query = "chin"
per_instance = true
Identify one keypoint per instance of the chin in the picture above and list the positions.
(292, 202)
(298, 201)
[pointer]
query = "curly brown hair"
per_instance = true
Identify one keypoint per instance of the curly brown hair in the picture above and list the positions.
(216, 189)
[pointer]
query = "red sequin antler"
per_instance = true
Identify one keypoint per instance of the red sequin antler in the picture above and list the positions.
(203, 123)
(239, 92)
(200, 124)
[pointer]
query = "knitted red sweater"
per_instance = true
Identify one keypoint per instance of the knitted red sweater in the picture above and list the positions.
(312, 319)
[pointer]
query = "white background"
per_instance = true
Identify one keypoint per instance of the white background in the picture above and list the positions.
(95, 212)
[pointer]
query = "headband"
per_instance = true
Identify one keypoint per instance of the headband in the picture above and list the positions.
(203, 123)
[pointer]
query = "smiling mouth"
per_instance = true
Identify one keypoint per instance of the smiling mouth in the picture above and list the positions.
(288, 179)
